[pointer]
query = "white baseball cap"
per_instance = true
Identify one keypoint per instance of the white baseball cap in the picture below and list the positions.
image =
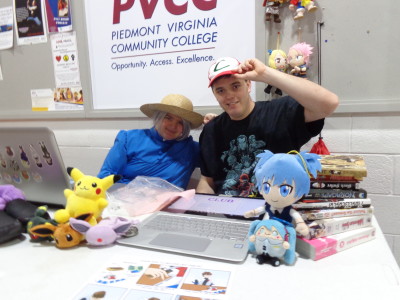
(222, 66)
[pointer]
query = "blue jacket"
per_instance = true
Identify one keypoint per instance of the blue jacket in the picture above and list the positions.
(143, 152)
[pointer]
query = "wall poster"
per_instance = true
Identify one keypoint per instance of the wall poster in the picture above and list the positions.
(142, 50)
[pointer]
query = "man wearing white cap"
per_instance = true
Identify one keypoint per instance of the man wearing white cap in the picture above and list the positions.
(230, 142)
(165, 150)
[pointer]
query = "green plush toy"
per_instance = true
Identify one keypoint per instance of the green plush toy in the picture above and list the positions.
(88, 196)
(41, 217)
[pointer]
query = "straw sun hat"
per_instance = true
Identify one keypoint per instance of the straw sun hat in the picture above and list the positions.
(175, 104)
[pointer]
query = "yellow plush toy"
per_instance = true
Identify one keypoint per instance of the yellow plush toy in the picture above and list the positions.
(88, 196)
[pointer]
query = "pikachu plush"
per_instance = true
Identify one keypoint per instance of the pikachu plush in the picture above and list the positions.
(88, 196)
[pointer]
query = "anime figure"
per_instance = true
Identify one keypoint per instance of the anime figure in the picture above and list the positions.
(283, 179)
(24, 158)
(272, 241)
(46, 154)
(35, 156)
(272, 9)
(206, 279)
(277, 60)
(300, 6)
(298, 59)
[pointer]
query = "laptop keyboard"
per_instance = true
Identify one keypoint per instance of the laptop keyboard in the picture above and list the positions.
(204, 227)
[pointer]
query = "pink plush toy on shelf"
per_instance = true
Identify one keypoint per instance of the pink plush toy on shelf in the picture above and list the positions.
(298, 59)
(300, 6)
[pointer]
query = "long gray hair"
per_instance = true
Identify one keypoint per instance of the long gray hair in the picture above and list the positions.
(159, 116)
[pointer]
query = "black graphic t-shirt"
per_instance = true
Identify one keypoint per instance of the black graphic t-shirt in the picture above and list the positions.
(229, 148)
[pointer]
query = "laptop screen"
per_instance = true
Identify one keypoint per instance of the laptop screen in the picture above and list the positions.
(208, 204)
(31, 161)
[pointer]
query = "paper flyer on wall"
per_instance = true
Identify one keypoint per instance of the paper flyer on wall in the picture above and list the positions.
(57, 99)
(65, 59)
(30, 22)
(6, 28)
(58, 15)
(134, 278)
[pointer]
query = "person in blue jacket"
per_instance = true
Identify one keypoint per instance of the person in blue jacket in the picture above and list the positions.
(166, 150)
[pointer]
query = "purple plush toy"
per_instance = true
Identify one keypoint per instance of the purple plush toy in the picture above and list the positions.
(8, 193)
(105, 232)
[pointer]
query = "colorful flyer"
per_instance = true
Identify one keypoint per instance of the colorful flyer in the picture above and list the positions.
(135, 279)
(30, 22)
(65, 59)
(58, 15)
(70, 98)
(6, 27)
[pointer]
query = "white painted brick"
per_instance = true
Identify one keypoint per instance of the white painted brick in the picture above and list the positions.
(376, 135)
(379, 174)
(396, 248)
(88, 160)
(390, 240)
(373, 122)
(335, 141)
(396, 177)
(375, 141)
(336, 135)
(394, 245)
(387, 210)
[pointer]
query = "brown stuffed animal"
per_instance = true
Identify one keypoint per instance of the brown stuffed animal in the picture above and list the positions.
(63, 234)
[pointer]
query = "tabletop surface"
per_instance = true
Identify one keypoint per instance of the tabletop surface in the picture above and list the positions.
(366, 271)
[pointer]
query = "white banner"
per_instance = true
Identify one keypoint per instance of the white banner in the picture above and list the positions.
(141, 50)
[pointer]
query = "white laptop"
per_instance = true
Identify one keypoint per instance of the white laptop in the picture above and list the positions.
(31, 161)
(175, 229)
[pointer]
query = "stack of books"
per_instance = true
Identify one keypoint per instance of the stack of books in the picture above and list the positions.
(337, 211)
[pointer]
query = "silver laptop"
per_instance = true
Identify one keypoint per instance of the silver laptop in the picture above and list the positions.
(31, 161)
(207, 226)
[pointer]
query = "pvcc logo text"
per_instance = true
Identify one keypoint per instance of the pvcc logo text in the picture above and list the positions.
(149, 6)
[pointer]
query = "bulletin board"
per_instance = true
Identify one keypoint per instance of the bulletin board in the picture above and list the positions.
(354, 57)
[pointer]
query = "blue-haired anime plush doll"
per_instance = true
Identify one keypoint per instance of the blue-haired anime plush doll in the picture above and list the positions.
(272, 241)
(283, 179)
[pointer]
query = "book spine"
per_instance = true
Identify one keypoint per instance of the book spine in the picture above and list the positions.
(342, 185)
(317, 214)
(327, 246)
(326, 194)
(325, 227)
(337, 178)
(354, 173)
(331, 203)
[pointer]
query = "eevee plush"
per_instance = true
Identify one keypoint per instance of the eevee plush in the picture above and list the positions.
(106, 232)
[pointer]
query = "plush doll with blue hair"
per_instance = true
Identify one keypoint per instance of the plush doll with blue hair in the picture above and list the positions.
(272, 241)
(283, 179)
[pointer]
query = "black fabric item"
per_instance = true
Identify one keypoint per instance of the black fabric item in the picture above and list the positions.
(21, 210)
(10, 227)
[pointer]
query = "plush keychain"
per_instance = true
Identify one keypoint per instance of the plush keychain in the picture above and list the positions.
(277, 60)
(41, 217)
(282, 179)
(272, 241)
(88, 196)
(298, 59)
(106, 232)
(272, 9)
(300, 6)
(63, 234)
